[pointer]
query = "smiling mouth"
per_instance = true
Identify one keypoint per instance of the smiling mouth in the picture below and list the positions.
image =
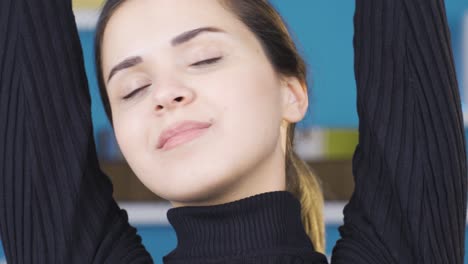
(183, 137)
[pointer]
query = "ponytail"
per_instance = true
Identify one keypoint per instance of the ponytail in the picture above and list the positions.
(303, 183)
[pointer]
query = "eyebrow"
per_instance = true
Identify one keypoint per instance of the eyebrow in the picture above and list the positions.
(178, 40)
(127, 63)
(188, 35)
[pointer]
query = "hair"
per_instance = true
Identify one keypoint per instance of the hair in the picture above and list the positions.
(266, 23)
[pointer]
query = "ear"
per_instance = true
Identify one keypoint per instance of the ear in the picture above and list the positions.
(295, 99)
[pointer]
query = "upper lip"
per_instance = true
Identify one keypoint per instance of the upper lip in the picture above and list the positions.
(178, 128)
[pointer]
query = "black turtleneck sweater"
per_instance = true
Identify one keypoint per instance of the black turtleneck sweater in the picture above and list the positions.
(264, 228)
(409, 202)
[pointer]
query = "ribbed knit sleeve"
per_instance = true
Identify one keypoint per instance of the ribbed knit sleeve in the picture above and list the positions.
(409, 202)
(56, 205)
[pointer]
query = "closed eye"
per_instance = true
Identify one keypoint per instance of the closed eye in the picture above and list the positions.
(206, 62)
(134, 92)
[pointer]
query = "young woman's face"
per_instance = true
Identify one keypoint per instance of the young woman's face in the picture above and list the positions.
(171, 61)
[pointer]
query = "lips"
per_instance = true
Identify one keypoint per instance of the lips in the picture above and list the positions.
(180, 128)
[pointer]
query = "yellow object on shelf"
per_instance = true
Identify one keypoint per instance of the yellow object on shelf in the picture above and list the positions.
(341, 143)
(87, 4)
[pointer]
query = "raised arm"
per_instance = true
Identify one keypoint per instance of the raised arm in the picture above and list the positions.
(409, 202)
(56, 205)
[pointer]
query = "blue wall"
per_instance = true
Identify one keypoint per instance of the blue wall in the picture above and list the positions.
(325, 30)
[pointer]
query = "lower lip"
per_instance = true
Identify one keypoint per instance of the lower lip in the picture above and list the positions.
(182, 138)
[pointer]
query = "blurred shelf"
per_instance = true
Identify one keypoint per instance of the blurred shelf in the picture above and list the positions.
(335, 175)
(155, 213)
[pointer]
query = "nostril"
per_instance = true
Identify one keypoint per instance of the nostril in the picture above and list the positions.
(180, 98)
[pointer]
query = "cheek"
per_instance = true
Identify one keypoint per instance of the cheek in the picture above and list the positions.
(252, 97)
(130, 132)
(249, 101)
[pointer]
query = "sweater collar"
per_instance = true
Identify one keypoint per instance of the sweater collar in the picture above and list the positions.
(263, 222)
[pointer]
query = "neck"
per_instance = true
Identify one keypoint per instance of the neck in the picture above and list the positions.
(267, 176)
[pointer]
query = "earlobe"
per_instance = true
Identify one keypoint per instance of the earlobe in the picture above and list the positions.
(295, 101)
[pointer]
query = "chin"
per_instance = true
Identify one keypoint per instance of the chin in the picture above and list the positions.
(189, 197)
(193, 181)
(193, 193)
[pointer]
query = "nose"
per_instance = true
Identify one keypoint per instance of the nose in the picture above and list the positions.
(168, 97)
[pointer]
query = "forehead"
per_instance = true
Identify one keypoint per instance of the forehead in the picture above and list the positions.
(138, 25)
(182, 11)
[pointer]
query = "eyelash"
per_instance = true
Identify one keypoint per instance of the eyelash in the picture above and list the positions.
(206, 62)
(130, 95)
(200, 63)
